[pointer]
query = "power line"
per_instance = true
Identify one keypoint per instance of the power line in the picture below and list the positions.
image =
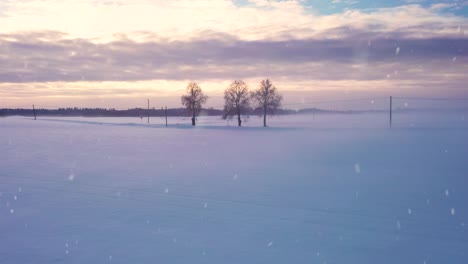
(327, 102)
(339, 101)
(432, 99)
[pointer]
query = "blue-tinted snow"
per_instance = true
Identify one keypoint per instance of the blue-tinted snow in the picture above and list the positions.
(336, 189)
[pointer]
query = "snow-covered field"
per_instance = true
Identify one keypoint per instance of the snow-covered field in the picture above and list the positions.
(336, 189)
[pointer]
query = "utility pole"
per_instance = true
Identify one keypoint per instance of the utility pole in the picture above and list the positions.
(148, 111)
(34, 112)
(391, 111)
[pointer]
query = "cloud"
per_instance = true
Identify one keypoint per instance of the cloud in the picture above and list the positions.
(52, 56)
(413, 1)
(347, 2)
(104, 21)
(176, 19)
(442, 6)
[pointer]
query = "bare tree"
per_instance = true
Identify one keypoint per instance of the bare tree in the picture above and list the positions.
(267, 98)
(193, 100)
(236, 100)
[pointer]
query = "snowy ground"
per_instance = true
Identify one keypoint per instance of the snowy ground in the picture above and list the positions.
(336, 189)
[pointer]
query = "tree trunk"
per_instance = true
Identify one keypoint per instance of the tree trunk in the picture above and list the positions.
(193, 119)
(264, 116)
(239, 121)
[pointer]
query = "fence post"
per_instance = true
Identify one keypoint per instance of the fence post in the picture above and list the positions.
(34, 112)
(391, 111)
(165, 111)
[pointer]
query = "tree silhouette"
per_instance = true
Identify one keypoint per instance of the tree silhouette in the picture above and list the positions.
(267, 98)
(236, 100)
(193, 100)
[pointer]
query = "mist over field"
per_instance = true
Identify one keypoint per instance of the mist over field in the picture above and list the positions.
(320, 189)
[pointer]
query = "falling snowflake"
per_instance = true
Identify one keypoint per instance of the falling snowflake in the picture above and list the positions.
(12, 211)
(205, 205)
(235, 176)
(452, 211)
(397, 51)
(357, 168)
(71, 177)
(166, 190)
(410, 211)
(447, 193)
(270, 244)
(398, 225)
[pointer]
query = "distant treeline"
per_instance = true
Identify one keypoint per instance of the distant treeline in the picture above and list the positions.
(141, 112)
(103, 112)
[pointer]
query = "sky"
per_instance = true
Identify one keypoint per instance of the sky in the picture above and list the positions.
(118, 53)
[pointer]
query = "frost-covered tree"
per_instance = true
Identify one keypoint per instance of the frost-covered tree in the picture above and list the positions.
(267, 98)
(236, 100)
(193, 100)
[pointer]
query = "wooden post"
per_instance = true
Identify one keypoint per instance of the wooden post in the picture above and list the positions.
(165, 111)
(148, 111)
(34, 112)
(391, 111)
